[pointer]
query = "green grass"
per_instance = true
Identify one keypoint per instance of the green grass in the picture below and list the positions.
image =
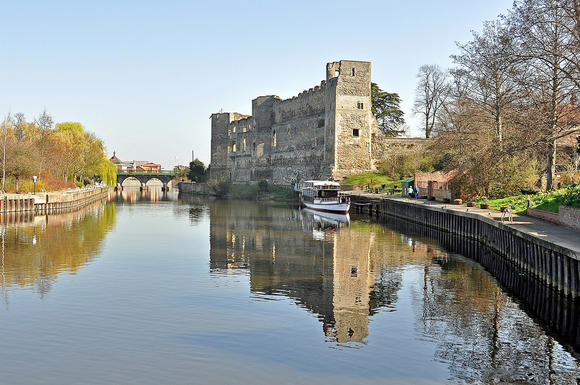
(549, 201)
(365, 179)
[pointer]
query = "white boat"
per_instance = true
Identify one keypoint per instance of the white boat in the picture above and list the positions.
(323, 195)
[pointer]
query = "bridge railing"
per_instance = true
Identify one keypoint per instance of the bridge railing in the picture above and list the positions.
(151, 172)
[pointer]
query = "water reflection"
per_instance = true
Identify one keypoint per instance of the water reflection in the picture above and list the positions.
(343, 276)
(348, 274)
(133, 194)
(36, 249)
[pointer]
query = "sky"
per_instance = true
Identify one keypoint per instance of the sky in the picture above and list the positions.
(146, 75)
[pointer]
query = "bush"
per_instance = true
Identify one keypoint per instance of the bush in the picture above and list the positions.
(399, 166)
(572, 196)
(508, 177)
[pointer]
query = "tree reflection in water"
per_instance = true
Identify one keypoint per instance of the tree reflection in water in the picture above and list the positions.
(42, 247)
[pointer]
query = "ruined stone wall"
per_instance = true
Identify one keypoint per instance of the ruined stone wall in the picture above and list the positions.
(384, 148)
(298, 136)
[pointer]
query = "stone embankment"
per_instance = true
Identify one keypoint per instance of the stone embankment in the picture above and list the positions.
(48, 203)
(538, 249)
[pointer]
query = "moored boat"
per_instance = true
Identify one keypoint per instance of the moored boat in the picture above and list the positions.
(323, 195)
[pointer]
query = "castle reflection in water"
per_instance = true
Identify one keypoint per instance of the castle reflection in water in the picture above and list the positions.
(344, 275)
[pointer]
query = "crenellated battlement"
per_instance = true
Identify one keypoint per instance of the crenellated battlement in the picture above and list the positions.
(322, 132)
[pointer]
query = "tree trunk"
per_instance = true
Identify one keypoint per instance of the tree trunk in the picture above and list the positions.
(577, 15)
(551, 165)
(499, 128)
(16, 184)
(427, 129)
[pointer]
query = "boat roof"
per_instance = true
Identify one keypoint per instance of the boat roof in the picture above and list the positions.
(322, 183)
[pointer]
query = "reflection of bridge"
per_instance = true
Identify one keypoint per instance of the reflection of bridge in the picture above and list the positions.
(164, 176)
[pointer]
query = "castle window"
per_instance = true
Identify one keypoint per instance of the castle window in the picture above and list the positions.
(254, 146)
(229, 148)
(274, 139)
(320, 123)
(353, 72)
(244, 143)
(354, 133)
(360, 105)
(234, 147)
(244, 129)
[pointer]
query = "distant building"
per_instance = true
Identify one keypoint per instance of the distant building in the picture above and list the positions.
(434, 185)
(134, 165)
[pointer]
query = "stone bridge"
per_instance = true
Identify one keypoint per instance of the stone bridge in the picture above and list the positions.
(145, 176)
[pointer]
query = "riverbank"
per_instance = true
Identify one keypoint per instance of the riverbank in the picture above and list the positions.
(48, 203)
(548, 252)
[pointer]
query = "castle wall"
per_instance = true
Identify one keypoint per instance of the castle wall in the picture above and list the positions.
(384, 148)
(299, 128)
(324, 132)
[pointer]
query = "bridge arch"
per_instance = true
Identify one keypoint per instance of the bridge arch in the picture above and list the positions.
(132, 181)
(165, 177)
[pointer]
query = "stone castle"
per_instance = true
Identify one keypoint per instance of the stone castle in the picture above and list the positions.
(326, 132)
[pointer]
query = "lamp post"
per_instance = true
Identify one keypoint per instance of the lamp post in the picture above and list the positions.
(34, 178)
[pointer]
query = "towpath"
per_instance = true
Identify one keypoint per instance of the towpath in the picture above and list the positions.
(538, 228)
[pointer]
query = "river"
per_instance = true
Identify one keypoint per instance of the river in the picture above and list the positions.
(154, 288)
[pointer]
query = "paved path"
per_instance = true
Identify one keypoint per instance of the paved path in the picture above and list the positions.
(559, 235)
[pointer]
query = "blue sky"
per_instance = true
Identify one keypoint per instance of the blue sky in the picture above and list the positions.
(145, 75)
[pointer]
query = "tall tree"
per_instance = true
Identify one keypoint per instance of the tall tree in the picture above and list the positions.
(19, 126)
(7, 124)
(197, 171)
(545, 37)
(385, 106)
(44, 122)
(20, 163)
(430, 95)
(487, 62)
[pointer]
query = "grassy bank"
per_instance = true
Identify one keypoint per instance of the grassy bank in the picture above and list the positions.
(365, 179)
(549, 201)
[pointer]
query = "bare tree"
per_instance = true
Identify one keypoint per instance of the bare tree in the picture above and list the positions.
(6, 126)
(19, 126)
(45, 123)
(544, 32)
(430, 95)
(487, 64)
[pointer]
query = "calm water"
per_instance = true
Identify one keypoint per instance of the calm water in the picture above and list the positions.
(152, 289)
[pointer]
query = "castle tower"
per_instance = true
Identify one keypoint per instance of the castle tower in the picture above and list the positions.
(353, 118)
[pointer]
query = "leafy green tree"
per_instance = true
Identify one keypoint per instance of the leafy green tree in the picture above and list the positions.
(182, 172)
(197, 171)
(20, 161)
(386, 109)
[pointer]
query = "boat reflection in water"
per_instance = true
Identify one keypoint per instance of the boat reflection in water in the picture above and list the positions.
(318, 222)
